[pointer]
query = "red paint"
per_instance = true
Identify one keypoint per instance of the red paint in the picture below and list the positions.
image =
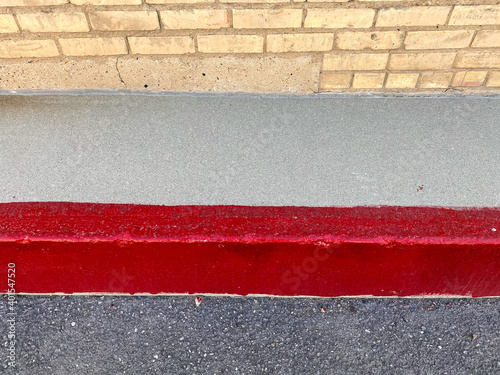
(381, 251)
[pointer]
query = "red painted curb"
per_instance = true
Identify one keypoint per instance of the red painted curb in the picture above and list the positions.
(334, 251)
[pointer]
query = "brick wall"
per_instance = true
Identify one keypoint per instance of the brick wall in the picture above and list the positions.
(250, 45)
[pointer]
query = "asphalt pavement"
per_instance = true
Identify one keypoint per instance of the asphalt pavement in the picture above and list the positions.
(60, 335)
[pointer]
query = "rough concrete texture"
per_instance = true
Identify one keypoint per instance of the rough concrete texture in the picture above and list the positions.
(250, 150)
(60, 74)
(222, 74)
(169, 335)
(189, 74)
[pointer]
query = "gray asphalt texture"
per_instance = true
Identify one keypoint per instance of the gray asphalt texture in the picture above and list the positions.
(250, 150)
(224, 335)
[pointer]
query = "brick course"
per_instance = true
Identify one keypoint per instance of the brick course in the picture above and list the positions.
(172, 45)
(8, 24)
(93, 46)
(53, 22)
(194, 19)
(124, 20)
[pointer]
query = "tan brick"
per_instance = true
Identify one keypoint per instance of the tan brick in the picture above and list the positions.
(53, 22)
(8, 24)
(469, 79)
(363, 61)
(422, 61)
(27, 3)
(93, 46)
(106, 2)
(124, 20)
(180, 1)
(339, 18)
(170, 45)
(479, 60)
(368, 80)
(493, 80)
(195, 19)
(412, 16)
(487, 38)
(438, 39)
(321, 1)
(299, 42)
(374, 40)
(27, 48)
(435, 80)
(230, 43)
(254, 1)
(335, 81)
(476, 15)
(266, 18)
(401, 80)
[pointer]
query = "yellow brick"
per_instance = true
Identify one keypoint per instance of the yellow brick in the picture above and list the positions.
(335, 81)
(27, 48)
(438, 39)
(124, 20)
(321, 1)
(106, 2)
(374, 40)
(195, 19)
(339, 18)
(180, 1)
(494, 80)
(368, 80)
(299, 42)
(266, 18)
(363, 61)
(230, 43)
(27, 3)
(469, 79)
(8, 24)
(487, 38)
(93, 46)
(435, 80)
(413, 16)
(476, 15)
(401, 80)
(171, 45)
(254, 1)
(422, 61)
(478, 60)
(53, 22)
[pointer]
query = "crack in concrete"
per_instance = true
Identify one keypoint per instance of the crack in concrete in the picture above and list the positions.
(118, 71)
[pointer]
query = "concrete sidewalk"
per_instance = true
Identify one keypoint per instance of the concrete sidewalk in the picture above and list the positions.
(250, 150)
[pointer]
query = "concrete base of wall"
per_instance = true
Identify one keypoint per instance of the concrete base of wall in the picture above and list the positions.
(200, 74)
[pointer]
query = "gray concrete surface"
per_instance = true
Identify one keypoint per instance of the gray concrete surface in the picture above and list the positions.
(170, 335)
(250, 150)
